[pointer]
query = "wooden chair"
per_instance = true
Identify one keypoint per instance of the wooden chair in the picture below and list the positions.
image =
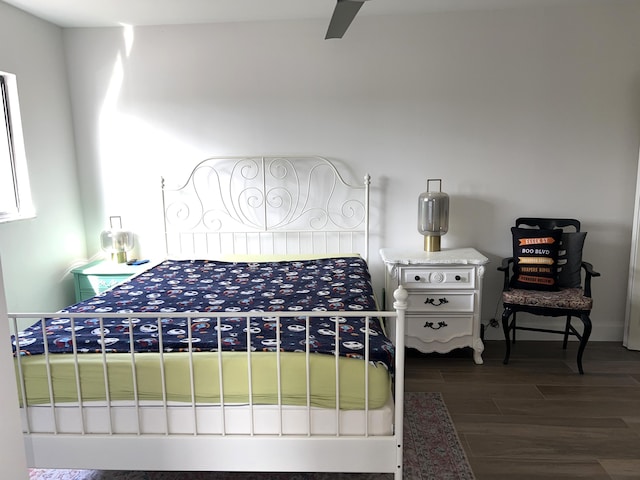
(571, 298)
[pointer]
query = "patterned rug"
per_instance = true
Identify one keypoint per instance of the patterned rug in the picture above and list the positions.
(432, 451)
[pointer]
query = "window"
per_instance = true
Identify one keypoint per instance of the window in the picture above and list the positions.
(15, 194)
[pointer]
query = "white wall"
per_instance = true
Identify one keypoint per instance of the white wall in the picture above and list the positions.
(522, 112)
(38, 253)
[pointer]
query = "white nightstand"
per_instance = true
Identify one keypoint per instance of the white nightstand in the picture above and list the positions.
(445, 291)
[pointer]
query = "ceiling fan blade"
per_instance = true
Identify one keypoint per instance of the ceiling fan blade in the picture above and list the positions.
(342, 17)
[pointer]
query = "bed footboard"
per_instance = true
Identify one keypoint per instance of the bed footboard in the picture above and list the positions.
(165, 433)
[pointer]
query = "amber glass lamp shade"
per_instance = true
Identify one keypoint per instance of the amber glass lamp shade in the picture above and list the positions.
(433, 216)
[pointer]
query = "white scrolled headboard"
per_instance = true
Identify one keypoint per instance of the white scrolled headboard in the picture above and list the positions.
(266, 205)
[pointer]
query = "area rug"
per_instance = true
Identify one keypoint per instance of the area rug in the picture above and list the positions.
(432, 451)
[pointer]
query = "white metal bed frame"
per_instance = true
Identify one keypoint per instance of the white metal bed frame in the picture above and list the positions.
(282, 219)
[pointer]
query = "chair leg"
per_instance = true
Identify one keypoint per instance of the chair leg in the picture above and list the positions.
(513, 328)
(566, 332)
(505, 328)
(586, 333)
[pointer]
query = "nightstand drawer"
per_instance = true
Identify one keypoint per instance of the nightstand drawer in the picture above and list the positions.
(85, 294)
(100, 283)
(432, 278)
(439, 329)
(440, 302)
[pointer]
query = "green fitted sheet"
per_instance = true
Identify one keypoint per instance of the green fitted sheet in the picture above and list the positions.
(322, 379)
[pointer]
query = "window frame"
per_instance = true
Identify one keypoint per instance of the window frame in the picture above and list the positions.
(19, 205)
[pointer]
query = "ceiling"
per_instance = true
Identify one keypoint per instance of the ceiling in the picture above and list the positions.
(104, 13)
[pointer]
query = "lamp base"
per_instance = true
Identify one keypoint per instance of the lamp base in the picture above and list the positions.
(431, 243)
(119, 257)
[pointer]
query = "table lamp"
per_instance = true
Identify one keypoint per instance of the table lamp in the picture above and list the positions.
(116, 241)
(433, 216)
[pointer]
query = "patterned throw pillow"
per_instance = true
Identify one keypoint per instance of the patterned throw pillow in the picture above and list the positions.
(535, 256)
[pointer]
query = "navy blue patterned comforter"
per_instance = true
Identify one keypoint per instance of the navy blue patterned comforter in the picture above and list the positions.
(331, 285)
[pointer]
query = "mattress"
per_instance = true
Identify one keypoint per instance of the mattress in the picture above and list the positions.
(202, 383)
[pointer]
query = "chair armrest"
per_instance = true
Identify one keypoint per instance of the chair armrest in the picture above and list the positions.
(505, 266)
(589, 273)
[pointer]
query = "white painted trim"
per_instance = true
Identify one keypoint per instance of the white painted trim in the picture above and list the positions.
(631, 338)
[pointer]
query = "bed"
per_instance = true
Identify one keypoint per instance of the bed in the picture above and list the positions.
(256, 345)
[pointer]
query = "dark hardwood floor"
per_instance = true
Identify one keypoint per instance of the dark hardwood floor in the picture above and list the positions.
(537, 418)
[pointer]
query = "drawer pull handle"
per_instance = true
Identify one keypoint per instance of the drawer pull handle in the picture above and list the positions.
(432, 301)
(458, 278)
(438, 327)
(417, 278)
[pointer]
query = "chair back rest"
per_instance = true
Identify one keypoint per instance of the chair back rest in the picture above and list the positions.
(548, 223)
